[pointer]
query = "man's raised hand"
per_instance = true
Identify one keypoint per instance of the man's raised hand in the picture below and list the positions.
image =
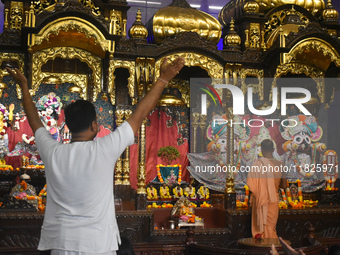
(18, 77)
(169, 70)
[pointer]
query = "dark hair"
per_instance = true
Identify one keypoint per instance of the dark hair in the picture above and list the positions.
(79, 115)
(267, 145)
(126, 247)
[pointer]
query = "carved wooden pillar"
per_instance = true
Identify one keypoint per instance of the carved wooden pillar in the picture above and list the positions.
(119, 166)
(126, 160)
(141, 172)
(194, 124)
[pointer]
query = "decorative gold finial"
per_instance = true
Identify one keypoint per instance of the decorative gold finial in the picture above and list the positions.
(232, 38)
(251, 7)
(330, 14)
(138, 30)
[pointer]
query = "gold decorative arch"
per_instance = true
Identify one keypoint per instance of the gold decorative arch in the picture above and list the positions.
(130, 65)
(302, 68)
(214, 69)
(39, 58)
(316, 44)
(71, 28)
(258, 88)
(11, 56)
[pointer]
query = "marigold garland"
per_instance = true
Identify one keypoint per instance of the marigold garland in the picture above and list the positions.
(244, 204)
(330, 180)
(311, 171)
(283, 204)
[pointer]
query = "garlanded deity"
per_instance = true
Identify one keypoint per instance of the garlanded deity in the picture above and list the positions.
(152, 192)
(164, 192)
(49, 107)
(303, 152)
(177, 192)
(5, 116)
(203, 192)
(190, 192)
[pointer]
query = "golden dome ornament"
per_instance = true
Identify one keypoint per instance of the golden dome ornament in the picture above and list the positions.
(251, 7)
(330, 14)
(138, 30)
(167, 99)
(180, 17)
(232, 39)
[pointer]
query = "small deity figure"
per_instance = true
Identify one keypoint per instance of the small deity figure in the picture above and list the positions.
(16, 125)
(27, 145)
(190, 192)
(152, 192)
(4, 117)
(203, 192)
(164, 192)
(23, 189)
(49, 107)
(182, 207)
(177, 192)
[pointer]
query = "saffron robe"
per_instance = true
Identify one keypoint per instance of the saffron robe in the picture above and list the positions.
(264, 199)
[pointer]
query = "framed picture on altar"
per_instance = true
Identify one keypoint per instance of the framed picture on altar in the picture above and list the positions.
(294, 190)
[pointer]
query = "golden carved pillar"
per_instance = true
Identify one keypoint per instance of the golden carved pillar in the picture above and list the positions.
(230, 193)
(141, 172)
(6, 18)
(202, 124)
(195, 122)
(119, 165)
(126, 160)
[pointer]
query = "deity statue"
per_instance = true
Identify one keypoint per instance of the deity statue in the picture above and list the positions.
(303, 152)
(164, 192)
(203, 192)
(49, 107)
(177, 192)
(152, 192)
(182, 207)
(23, 189)
(27, 145)
(190, 192)
(5, 116)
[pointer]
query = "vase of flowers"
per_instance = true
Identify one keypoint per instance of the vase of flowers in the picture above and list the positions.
(169, 174)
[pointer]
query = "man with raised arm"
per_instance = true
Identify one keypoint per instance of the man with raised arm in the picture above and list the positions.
(80, 214)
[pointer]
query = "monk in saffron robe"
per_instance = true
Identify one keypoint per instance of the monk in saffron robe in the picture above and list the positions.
(264, 180)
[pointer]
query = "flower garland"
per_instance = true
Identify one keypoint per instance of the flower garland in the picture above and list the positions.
(29, 141)
(238, 161)
(6, 167)
(284, 203)
(301, 169)
(43, 192)
(330, 177)
(179, 174)
(244, 204)
(160, 178)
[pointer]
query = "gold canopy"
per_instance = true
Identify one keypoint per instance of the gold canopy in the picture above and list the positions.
(172, 20)
(314, 6)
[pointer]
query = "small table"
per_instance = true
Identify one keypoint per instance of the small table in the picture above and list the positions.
(182, 224)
